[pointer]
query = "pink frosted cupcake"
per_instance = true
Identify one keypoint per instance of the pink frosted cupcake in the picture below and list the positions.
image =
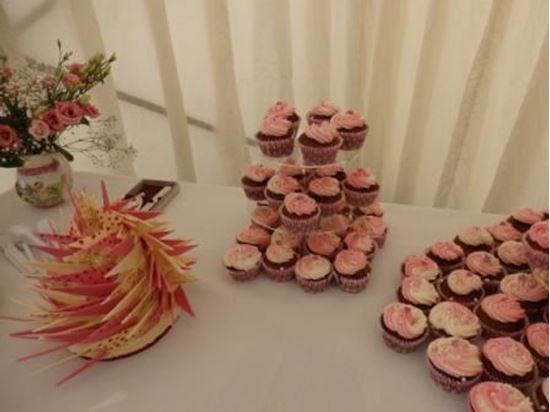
(453, 319)
(361, 241)
(488, 268)
(326, 244)
(278, 187)
(539, 395)
(531, 295)
(351, 270)
(535, 340)
(404, 327)
(461, 286)
(374, 209)
(276, 137)
(536, 245)
(474, 239)
(418, 292)
(300, 212)
(322, 112)
(243, 262)
(255, 180)
(338, 224)
(352, 127)
(286, 110)
(361, 188)
(523, 219)
(254, 236)
(373, 226)
(503, 231)
(508, 361)
(328, 194)
(284, 237)
(292, 169)
(497, 397)
(501, 315)
(512, 256)
(454, 363)
(319, 144)
(447, 255)
(278, 262)
(335, 171)
(420, 266)
(313, 273)
(266, 217)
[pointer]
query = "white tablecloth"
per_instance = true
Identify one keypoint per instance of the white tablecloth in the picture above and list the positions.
(255, 347)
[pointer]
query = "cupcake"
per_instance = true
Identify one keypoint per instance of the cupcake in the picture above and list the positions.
(278, 187)
(319, 144)
(535, 340)
(461, 286)
(508, 361)
(487, 267)
(523, 219)
(286, 110)
(374, 209)
(351, 270)
(361, 241)
(266, 217)
(531, 295)
(322, 112)
(254, 236)
(497, 397)
(337, 223)
(539, 395)
(420, 266)
(541, 275)
(373, 226)
(255, 180)
(361, 188)
(278, 262)
(501, 315)
(243, 262)
(352, 128)
(503, 231)
(290, 168)
(300, 212)
(453, 319)
(512, 256)
(536, 245)
(404, 327)
(276, 137)
(418, 292)
(326, 244)
(447, 255)
(454, 363)
(475, 239)
(328, 194)
(313, 273)
(335, 171)
(284, 237)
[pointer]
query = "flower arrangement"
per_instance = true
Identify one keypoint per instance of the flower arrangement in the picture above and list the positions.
(40, 108)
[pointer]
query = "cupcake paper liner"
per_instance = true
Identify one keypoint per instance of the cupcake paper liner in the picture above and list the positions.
(359, 199)
(487, 332)
(274, 203)
(255, 193)
(246, 275)
(279, 275)
(301, 225)
(470, 305)
(277, 148)
(402, 345)
(331, 208)
(522, 386)
(314, 286)
(351, 285)
(320, 155)
(449, 384)
(353, 140)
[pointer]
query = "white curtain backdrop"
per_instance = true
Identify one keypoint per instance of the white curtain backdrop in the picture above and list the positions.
(455, 92)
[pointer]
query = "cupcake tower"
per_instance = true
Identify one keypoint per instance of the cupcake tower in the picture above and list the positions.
(311, 222)
(482, 300)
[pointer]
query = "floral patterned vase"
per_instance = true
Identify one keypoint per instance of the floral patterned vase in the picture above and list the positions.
(44, 180)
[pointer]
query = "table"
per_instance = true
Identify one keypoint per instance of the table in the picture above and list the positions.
(255, 347)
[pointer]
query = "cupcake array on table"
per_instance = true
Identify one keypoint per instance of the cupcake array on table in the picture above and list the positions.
(481, 300)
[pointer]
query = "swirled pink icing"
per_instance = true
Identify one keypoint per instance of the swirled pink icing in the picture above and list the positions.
(373, 225)
(280, 108)
(290, 168)
(502, 308)
(463, 282)
(330, 170)
(504, 231)
(287, 238)
(259, 173)
(374, 209)
(508, 356)
(359, 240)
(498, 397)
(483, 264)
(447, 250)
(527, 215)
(512, 252)
(405, 320)
(277, 253)
(455, 319)
(350, 119)
(242, 257)
(361, 178)
(324, 108)
(523, 287)
(419, 291)
(421, 266)
(283, 184)
(349, 262)
(254, 235)
(537, 337)
(312, 267)
(266, 216)
(325, 186)
(455, 356)
(300, 204)
(334, 223)
(323, 133)
(276, 126)
(476, 236)
(323, 243)
(539, 234)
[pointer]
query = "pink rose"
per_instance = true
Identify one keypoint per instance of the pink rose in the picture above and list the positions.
(75, 67)
(89, 110)
(69, 113)
(9, 138)
(71, 79)
(53, 120)
(5, 73)
(39, 129)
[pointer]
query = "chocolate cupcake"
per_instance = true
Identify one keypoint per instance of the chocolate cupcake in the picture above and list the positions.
(539, 395)
(454, 363)
(328, 194)
(337, 223)
(286, 110)
(278, 187)
(322, 112)
(284, 237)
(352, 128)
(523, 219)
(336, 171)
(531, 295)
(420, 266)
(243, 262)
(351, 270)
(418, 292)
(319, 144)
(508, 361)
(276, 137)
(404, 327)
(488, 268)
(474, 239)
(290, 168)
(453, 319)
(361, 241)
(326, 244)
(361, 187)
(373, 226)
(266, 217)
(300, 212)
(461, 286)
(278, 262)
(503, 231)
(497, 397)
(447, 255)
(255, 180)
(501, 315)
(254, 236)
(535, 340)
(374, 209)
(536, 245)
(512, 256)
(313, 273)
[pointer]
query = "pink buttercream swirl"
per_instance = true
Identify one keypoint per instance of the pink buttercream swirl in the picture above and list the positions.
(330, 170)
(512, 252)
(285, 237)
(508, 356)
(463, 282)
(504, 231)
(419, 291)
(537, 336)
(349, 262)
(527, 215)
(276, 126)
(334, 223)
(502, 308)
(254, 235)
(312, 267)
(323, 133)
(242, 257)
(290, 168)
(539, 234)
(447, 250)
(279, 254)
(476, 236)
(323, 243)
(361, 241)
(455, 319)
(300, 204)
(283, 184)
(324, 108)
(483, 264)
(455, 356)
(406, 320)
(350, 119)
(498, 397)
(374, 209)
(523, 287)
(420, 266)
(265, 215)
(325, 186)
(361, 178)
(373, 225)
(280, 108)
(259, 173)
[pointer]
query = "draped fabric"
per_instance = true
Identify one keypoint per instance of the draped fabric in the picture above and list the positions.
(455, 92)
